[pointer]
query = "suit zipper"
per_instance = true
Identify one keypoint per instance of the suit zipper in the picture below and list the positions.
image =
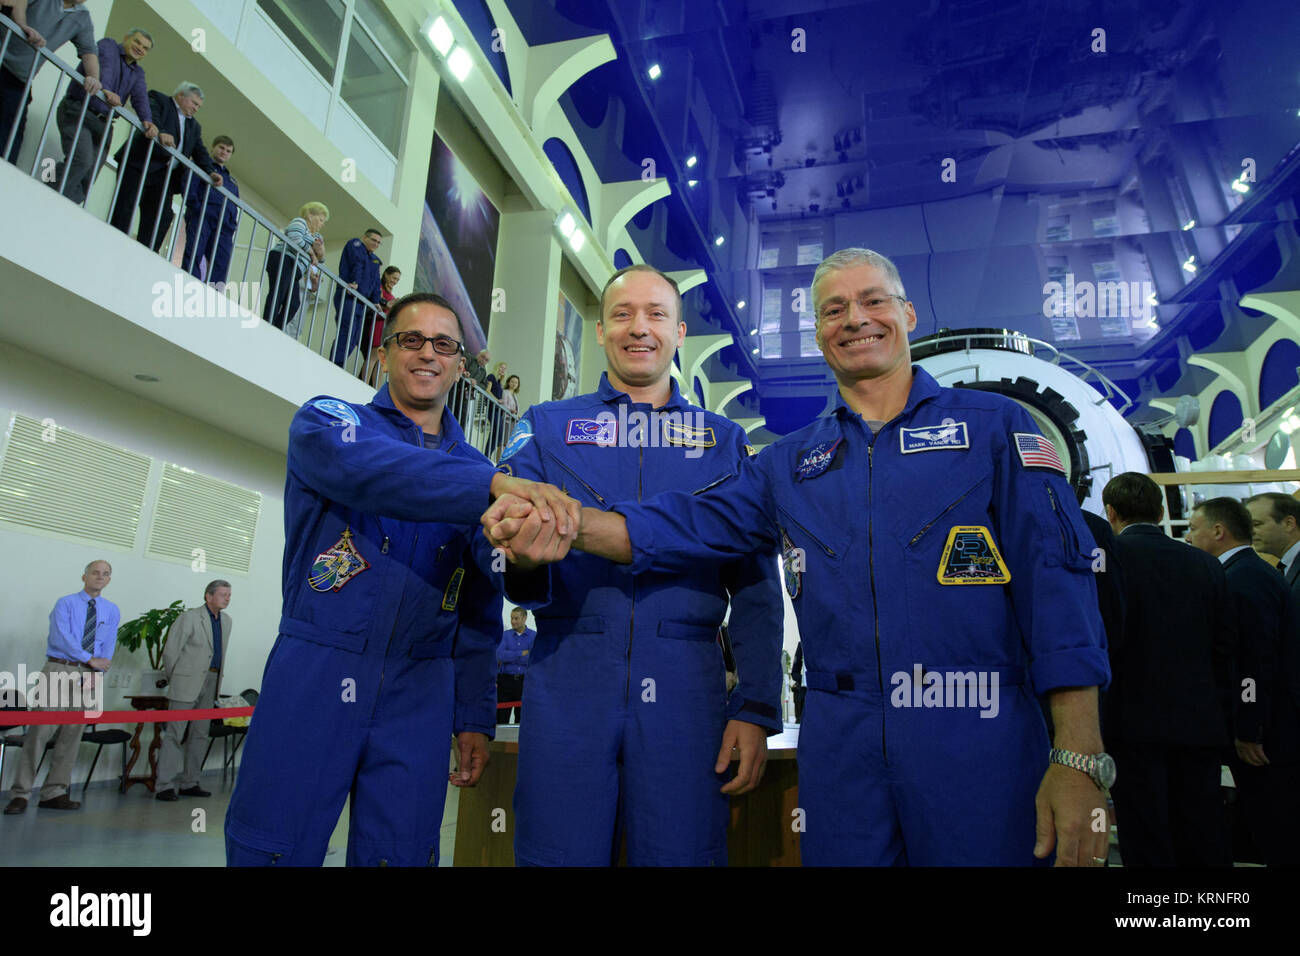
(590, 490)
(712, 484)
(830, 552)
(383, 666)
(875, 607)
(1051, 495)
(936, 519)
(631, 622)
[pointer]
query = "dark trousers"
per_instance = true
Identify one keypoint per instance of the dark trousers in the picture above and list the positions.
(204, 242)
(285, 296)
(13, 109)
(353, 322)
(155, 204)
(79, 159)
(800, 694)
(1268, 798)
(510, 687)
(1169, 805)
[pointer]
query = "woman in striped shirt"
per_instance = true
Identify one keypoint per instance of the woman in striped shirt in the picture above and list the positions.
(286, 265)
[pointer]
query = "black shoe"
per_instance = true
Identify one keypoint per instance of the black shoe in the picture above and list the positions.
(60, 802)
(168, 794)
(195, 791)
(16, 805)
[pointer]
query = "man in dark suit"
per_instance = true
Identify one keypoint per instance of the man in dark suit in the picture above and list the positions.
(1266, 720)
(163, 176)
(1275, 519)
(1165, 713)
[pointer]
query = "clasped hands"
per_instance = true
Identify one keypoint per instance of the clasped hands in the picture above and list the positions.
(531, 522)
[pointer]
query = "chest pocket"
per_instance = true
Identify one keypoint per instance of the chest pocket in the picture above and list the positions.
(572, 480)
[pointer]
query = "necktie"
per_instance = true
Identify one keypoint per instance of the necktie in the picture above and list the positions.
(88, 636)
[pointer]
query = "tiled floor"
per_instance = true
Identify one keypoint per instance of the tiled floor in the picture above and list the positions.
(134, 829)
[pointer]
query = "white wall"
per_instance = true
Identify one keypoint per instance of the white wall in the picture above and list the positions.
(37, 570)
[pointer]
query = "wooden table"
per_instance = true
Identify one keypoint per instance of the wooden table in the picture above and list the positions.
(144, 703)
(760, 832)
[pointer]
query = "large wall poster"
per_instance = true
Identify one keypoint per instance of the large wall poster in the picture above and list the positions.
(458, 244)
(568, 351)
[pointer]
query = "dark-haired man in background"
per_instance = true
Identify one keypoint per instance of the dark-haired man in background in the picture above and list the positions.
(1266, 719)
(1166, 711)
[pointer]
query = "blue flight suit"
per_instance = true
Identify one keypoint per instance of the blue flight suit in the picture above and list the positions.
(627, 698)
(387, 642)
(356, 264)
(203, 238)
(886, 775)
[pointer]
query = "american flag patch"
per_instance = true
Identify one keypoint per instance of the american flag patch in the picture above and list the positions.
(1037, 452)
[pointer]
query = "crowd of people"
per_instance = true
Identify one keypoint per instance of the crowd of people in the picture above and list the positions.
(150, 178)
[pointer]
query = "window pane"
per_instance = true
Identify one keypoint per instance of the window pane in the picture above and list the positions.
(374, 91)
(393, 41)
(315, 27)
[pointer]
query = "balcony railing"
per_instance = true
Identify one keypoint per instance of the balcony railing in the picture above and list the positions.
(300, 296)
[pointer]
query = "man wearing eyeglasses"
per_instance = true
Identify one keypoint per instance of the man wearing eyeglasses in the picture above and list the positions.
(391, 617)
(942, 519)
(629, 717)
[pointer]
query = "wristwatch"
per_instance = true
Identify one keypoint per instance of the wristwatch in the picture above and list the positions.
(1100, 767)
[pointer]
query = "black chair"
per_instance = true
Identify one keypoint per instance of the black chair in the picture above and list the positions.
(104, 738)
(218, 729)
(14, 700)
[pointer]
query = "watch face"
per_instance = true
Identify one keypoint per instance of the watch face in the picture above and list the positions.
(1105, 770)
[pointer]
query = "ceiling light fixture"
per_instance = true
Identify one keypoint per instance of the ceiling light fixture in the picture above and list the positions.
(577, 240)
(740, 304)
(719, 240)
(691, 161)
(1190, 265)
(1189, 224)
(440, 35)
(654, 71)
(460, 63)
(566, 224)
(692, 183)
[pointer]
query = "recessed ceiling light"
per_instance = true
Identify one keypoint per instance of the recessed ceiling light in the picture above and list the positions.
(754, 350)
(719, 240)
(440, 35)
(691, 161)
(566, 225)
(740, 304)
(753, 331)
(1189, 224)
(654, 71)
(460, 63)
(577, 240)
(692, 183)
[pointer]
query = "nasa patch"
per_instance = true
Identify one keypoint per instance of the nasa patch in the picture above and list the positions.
(971, 557)
(337, 565)
(817, 459)
(520, 437)
(591, 431)
(948, 435)
(336, 409)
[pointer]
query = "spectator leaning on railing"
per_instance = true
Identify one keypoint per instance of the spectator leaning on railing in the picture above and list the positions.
(359, 268)
(164, 175)
(123, 79)
(286, 267)
(49, 24)
(204, 241)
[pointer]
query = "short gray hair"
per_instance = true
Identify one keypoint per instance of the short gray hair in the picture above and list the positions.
(189, 89)
(95, 562)
(137, 31)
(854, 256)
(213, 585)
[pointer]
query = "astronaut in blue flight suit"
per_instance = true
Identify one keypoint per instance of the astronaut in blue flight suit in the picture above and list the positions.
(940, 517)
(359, 267)
(391, 617)
(630, 727)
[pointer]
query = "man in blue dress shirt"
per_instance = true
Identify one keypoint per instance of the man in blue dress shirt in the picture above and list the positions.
(512, 660)
(83, 633)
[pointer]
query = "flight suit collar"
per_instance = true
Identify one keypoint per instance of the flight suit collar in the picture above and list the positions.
(924, 388)
(610, 395)
(451, 430)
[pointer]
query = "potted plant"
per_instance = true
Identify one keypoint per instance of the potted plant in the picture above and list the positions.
(150, 629)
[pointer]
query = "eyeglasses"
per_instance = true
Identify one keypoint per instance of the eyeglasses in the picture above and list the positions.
(414, 341)
(876, 306)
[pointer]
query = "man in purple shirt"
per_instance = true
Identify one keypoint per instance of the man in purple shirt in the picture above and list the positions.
(123, 79)
(83, 634)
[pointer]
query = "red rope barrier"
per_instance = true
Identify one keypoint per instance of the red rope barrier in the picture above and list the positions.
(18, 718)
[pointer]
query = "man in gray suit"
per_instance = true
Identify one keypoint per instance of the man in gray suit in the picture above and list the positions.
(1276, 521)
(192, 657)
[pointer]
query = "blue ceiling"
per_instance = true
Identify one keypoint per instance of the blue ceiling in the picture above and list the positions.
(989, 147)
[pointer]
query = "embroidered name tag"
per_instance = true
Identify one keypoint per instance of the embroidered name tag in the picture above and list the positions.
(591, 431)
(971, 557)
(934, 438)
(688, 435)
